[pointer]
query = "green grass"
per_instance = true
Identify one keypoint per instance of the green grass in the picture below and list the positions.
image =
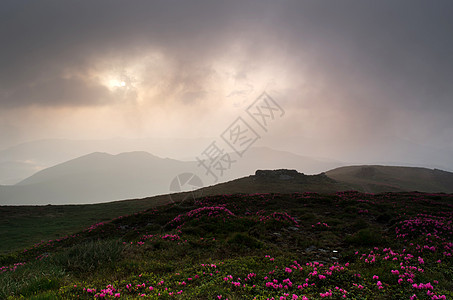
(32, 278)
(22, 226)
(88, 256)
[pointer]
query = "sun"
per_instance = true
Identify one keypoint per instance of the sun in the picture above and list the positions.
(115, 83)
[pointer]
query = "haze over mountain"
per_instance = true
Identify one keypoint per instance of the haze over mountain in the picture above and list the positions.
(23, 160)
(97, 177)
(101, 177)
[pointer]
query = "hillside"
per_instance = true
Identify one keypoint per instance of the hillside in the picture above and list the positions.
(18, 227)
(367, 179)
(261, 246)
(277, 181)
(375, 179)
(17, 223)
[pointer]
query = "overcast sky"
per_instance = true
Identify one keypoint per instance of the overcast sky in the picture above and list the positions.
(348, 74)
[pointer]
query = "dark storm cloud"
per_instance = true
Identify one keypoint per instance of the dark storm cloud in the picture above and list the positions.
(43, 39)
(403, 49)
(395, 52)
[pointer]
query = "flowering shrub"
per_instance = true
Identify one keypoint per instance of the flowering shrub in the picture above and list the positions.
(207, 211)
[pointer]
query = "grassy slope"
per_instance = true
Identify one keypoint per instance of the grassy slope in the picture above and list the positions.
(18, 224)
(375, 179)
(197, 249)
(272, 184)
(22, 226)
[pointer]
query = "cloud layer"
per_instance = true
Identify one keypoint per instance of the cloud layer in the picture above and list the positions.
(348, 72)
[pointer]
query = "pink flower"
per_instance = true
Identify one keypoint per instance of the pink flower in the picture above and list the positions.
(379, 284)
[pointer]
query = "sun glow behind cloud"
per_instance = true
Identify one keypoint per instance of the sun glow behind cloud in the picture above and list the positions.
(116, 83)
(168, 88)
(149, 93)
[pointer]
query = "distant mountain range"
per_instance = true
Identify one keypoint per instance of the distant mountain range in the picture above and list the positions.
(21, 161)
(101, 177)
(97, 177)
(24, 160)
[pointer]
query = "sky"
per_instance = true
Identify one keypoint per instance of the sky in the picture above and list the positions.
(359, 81)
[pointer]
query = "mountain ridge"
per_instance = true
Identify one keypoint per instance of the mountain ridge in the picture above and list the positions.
(101, 177)
(377, 178)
